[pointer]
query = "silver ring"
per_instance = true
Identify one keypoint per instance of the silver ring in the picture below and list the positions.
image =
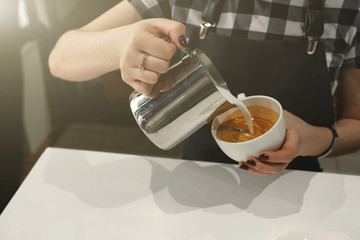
(143, 59)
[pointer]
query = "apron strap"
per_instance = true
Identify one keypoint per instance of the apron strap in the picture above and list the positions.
(313, 27)
(314, 23)
(210, 16)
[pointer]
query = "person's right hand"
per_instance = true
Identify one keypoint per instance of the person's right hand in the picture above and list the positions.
(148, 48)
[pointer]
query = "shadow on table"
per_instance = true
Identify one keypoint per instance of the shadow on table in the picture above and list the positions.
(178, 188)
(194, 186)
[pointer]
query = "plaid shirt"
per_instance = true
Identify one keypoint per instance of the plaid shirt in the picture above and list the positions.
(271, 20)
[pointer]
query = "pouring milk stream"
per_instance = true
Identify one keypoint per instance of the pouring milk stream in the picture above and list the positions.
(239, 104)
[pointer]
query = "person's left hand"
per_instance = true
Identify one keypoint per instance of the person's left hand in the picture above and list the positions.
(300, 140)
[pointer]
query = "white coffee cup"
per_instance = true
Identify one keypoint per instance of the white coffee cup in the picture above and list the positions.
(271, 140)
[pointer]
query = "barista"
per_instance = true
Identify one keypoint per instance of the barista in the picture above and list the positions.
(292, 52)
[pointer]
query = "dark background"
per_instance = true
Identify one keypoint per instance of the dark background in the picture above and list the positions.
(92, 115)
(89, 102)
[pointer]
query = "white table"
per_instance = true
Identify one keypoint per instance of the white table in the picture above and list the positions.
(73, 194)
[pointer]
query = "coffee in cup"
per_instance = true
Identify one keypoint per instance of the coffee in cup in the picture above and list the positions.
(269, 128)
(235, 128)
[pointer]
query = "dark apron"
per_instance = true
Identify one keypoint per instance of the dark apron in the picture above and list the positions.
(280, 69)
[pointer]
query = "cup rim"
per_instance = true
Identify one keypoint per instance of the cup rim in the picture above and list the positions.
(213, 130)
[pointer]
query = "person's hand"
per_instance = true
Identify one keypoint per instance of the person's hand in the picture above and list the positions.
(301, 139)
(150, 45)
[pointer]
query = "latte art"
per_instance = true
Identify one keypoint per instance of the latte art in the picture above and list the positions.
(263, 120)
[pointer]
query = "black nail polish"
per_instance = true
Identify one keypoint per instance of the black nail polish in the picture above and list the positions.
(244, 166)
(263, 157)
(251, 163)
(183, 41)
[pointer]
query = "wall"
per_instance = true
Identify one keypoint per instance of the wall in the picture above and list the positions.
(36, 114)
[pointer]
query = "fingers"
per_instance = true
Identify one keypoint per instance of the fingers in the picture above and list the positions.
(272, 162)
(159, 38)
(158, 47)
(141, 87)
(141, 71)
(261, 167)
(287, 152)
(157, 65)
(172, 29)
(134, 58)
(150, 46)
(144, 75)
(246, 167)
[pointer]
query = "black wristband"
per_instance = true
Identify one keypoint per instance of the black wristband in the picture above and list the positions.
(333, 144)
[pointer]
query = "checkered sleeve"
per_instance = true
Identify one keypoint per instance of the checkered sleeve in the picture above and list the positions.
(152, 8)
(349, 20)
(352, 58)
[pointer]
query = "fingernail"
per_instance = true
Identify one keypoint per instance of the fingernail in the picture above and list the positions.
(244, 166)
(263, 157)
(183, 41)
(251, 162)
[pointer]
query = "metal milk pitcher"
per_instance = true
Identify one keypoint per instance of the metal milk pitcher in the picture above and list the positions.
(174, 115)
